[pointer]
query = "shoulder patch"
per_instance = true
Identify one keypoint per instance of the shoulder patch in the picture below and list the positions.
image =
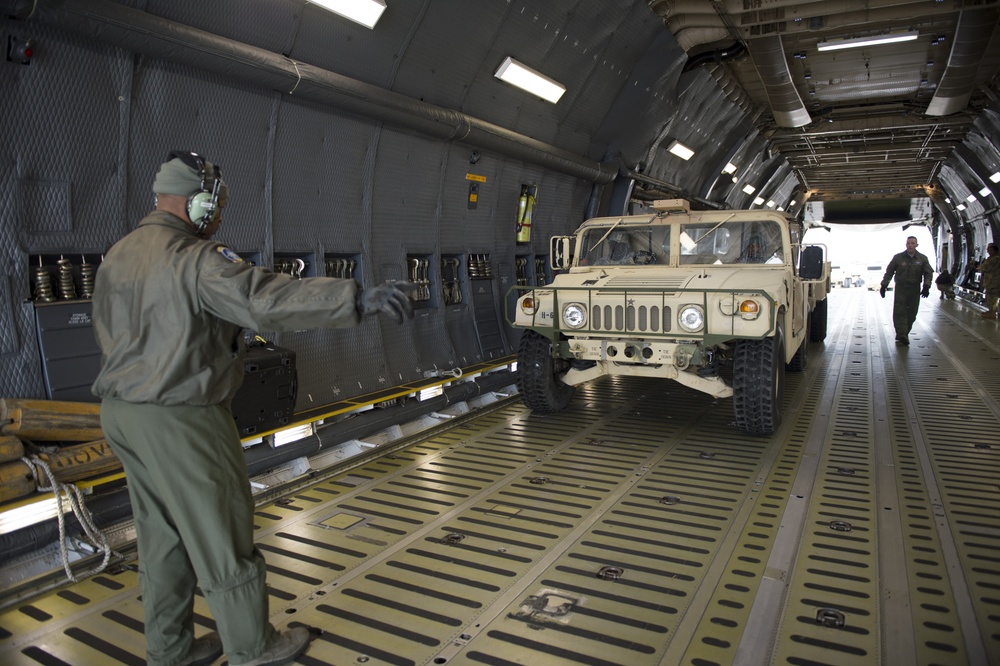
(229, 255)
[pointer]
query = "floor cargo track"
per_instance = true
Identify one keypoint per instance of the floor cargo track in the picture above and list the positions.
(640, 526)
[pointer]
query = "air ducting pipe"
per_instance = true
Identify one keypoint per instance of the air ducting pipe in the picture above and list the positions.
(972, 37)
(769, 58)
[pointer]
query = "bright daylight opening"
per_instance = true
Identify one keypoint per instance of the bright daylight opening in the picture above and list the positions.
(860, 252)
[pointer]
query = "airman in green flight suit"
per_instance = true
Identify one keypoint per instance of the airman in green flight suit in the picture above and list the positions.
(910, 268)
(169, 307)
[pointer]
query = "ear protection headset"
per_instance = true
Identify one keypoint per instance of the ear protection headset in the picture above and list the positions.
(203, 204)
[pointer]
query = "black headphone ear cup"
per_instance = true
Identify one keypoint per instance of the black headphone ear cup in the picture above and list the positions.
(201, 209)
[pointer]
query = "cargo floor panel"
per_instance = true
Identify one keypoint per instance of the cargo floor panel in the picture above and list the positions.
(640, 526)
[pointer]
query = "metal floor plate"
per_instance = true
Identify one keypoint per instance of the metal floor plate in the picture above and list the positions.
(639, 526)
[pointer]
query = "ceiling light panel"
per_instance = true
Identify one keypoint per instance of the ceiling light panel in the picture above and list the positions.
(872, 40)
(525, 78)
(680, 150)
(365, 12)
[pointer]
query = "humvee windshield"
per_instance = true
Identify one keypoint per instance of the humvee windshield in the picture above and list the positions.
(626, 246)
(754, 242)
(745, 242)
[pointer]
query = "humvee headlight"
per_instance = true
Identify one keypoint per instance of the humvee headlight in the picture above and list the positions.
(574, 315)
(749, 309)
(528, 305)
(691, 318)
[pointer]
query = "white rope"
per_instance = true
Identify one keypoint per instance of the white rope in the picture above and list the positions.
(74, 496)
(297, 73)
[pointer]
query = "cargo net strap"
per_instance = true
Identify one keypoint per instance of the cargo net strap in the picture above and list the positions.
(96, 538)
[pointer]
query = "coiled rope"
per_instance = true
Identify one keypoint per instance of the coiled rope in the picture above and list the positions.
(94, 536)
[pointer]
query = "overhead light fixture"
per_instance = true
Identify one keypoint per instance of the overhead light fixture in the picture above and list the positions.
(971, 198)
(525, 78)
(995, 177)
(770, 204)
(729, 168)
(985, 192)
(680, 150)
(365, 12)
(791, 203)
(758, 201)
(872, 40)
(749, 189)
(960, 207)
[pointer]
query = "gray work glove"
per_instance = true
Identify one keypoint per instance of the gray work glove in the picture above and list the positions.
(391, 298)
(882, 292)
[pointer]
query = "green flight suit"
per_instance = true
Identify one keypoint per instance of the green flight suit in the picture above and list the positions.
(168, 310)
(909, 273)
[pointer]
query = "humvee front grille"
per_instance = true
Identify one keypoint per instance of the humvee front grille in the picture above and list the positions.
(630, 319)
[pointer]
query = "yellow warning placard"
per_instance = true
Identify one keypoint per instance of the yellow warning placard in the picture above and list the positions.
(475, 177)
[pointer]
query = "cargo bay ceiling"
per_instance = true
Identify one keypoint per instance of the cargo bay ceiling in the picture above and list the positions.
(868, 127)
(773, 118)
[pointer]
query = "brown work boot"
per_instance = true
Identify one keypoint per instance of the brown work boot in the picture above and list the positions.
(283, 648)
(204, 650)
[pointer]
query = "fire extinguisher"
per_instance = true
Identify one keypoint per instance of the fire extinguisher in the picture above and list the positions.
(525, 206)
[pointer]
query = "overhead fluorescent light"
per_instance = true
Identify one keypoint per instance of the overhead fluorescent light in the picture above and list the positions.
(680, 150)
(791, 203)
(729, 168)
(749, 189)
(770, 204)
(522, 76)
(856, 42)
(971, 198)
(995, 177)
(758, 201)
(985, 192)
(960, 207)
(365, 12)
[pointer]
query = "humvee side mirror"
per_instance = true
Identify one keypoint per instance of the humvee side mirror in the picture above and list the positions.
(811, 263)
(560, 252)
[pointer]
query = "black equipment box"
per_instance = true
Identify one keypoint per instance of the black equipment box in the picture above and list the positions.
(266, 399)
(71, 358)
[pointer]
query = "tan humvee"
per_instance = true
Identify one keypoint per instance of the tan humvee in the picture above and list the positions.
(676, 294)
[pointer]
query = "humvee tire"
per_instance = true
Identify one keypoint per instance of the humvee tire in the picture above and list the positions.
(540, 390)
(759, 383)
